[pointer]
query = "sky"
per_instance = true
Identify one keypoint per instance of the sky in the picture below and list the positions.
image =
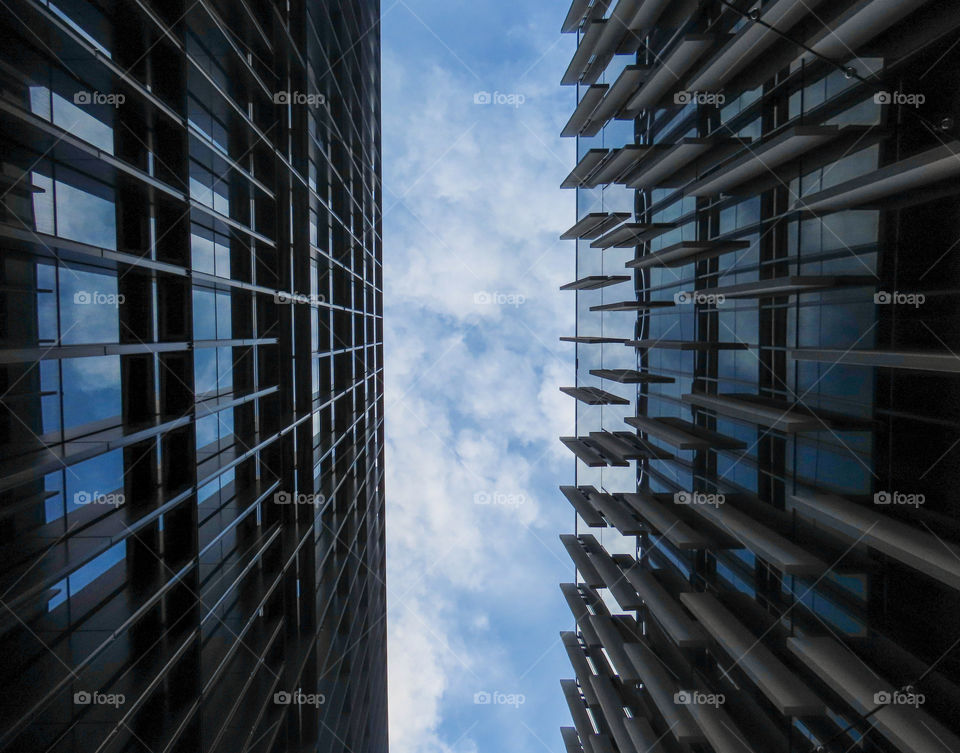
(472, 109)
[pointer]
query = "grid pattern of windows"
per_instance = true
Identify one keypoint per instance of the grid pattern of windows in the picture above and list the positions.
(191, 398)
(766, 538)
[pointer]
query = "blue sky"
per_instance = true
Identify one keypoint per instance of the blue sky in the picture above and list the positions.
(472, 264)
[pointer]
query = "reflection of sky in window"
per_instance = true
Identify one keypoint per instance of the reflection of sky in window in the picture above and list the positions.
(212, 428)
(91, 389)
(87, 322)
(79, 29)
(208, 490)
(213, 369)
(85, 575)
(80, 122)
(211, 314)
(103, 474)
(85, 209)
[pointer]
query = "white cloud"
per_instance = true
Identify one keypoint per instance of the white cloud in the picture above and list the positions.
(472, 206)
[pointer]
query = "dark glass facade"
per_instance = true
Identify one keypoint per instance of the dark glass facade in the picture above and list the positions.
(767, 532)
(191, 399)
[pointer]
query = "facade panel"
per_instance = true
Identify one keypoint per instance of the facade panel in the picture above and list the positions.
(767, 538)
(191, 363)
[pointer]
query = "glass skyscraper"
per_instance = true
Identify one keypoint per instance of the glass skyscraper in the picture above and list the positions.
(766, 535)
(191, 400)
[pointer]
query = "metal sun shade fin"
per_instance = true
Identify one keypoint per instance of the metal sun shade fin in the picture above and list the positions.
(587, 104)
(778, 683)
(661, 687)
(669, 525)
(585, 50)
(612, 706)
(759, 159)
(594, 396)
(762, 541)
(632, 234)
(578, 606)
(585, 567)
(792, 285)
(595, 282)
(617, 95)
(750, 42)
(594, 225)
(670, 70)
(901, 178)
(682, 629)
(591, 454)
(581, 667)
(585, 167)
(631, 376)
(592, 340)
(633, 306)
(686, 252)
(582, 505)
(858, 24)
(917, 549)
(888, 359)
(687, 345)
(578, 710)
(684, 435)
(612, 641)
(908, 728)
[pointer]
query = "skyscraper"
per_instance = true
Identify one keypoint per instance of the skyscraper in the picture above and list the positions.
(767, 540)
(191, 470)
